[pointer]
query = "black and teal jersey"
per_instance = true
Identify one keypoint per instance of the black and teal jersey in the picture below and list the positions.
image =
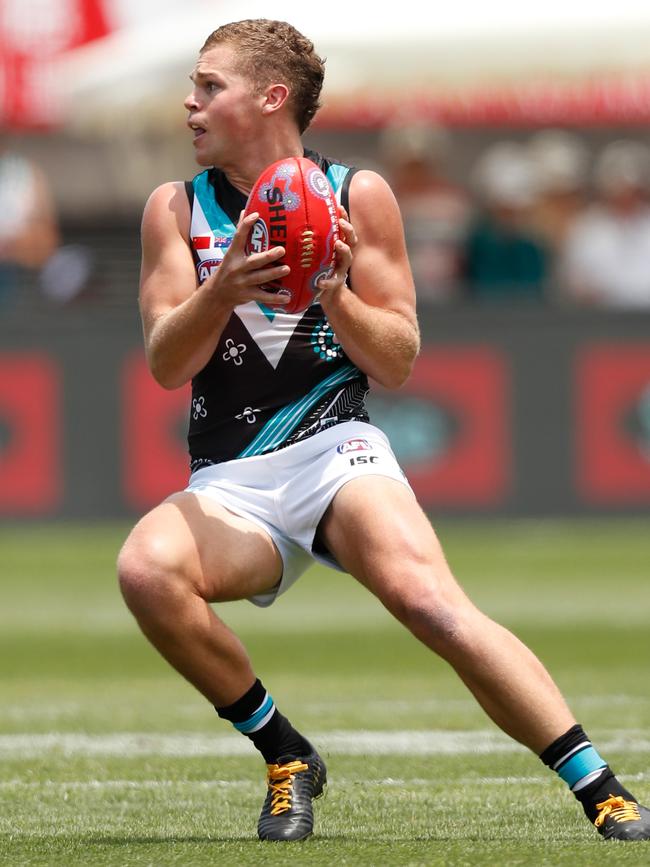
(275, 378)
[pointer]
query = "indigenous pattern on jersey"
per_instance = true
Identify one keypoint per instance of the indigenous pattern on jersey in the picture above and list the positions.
(275, 378)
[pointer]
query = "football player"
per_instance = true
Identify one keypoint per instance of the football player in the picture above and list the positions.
(286, 466)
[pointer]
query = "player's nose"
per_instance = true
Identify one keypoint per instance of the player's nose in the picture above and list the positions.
(191, 102)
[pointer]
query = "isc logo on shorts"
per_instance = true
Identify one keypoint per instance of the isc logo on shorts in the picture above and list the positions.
(356, 445)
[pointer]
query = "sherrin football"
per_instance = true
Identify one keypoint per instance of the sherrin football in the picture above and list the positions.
(298, 211)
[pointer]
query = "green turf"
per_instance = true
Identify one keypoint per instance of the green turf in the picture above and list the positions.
(91, 771)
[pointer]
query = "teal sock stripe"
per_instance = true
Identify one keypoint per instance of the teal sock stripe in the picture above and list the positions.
(250, 724)
(579, 765)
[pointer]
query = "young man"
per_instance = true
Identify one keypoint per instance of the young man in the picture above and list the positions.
(258, 508)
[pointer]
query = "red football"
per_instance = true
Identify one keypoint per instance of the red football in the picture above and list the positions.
(298, 211)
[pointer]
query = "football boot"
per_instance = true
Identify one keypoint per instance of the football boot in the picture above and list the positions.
(292, 785)
(620, 819)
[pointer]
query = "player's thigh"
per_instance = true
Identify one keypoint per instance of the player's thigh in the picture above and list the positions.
(379, 534)
(194, 540)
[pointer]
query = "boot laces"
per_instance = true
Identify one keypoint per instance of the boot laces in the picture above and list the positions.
(618, 808)
(281, 785)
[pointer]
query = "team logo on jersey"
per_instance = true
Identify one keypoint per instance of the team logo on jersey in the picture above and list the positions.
(249, 414)
(198, 408)
(234, 352)
(355, 445)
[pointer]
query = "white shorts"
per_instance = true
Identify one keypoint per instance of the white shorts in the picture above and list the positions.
(287, 492)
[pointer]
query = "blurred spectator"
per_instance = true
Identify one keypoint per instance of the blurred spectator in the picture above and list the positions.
(606, 259)
(435, 211)
(505, 257)
(29, 231)
(561, 162)
(68, 274)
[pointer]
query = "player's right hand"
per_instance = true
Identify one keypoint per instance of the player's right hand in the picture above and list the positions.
(240, 277)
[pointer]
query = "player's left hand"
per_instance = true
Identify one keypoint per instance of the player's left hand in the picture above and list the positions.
(344, 254)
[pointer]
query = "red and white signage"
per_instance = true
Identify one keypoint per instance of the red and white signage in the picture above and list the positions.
(616, 99)
(32, 34)
(612, 442)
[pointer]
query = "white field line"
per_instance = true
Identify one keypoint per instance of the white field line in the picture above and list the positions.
(153, 785)
(51, 711)
(58, 786)
(344, 743)
(132, 745)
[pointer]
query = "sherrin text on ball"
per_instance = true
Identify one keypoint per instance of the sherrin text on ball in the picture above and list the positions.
(298, 211)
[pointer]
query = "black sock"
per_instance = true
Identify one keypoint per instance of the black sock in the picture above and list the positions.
(256, 716)
(590, 779)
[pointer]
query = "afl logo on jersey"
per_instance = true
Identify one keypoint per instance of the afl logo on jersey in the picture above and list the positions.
(356, 445)
(205, 268)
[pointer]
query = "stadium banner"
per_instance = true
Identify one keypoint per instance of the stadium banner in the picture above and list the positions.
(507, 412)
(450, 425)
(616, 100)
(33, 33)
(612, 438)
(154, 421)
(31, 468)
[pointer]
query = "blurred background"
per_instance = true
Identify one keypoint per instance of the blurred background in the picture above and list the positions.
(516, 140)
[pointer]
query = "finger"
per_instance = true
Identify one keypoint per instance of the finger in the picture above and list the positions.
(267, 275)
(348, 232)
(260, 260)
(343, 214)
(242, 232)
(342, 265)
(343, 258)
(272, 299)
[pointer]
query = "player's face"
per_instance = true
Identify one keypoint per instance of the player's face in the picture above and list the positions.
(222, 107)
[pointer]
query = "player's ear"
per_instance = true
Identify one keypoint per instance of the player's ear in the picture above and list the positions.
(275, 97)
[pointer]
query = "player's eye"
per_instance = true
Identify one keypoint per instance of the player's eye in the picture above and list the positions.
(211, 86)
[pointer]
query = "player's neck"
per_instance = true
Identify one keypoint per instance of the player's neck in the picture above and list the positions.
(243, 173)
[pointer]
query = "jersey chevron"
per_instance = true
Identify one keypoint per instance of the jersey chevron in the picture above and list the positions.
(270, 331)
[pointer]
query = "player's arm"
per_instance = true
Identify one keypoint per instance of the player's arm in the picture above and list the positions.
(376, 323)
(183, 321)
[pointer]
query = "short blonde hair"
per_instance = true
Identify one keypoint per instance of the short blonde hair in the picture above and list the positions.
(270, 51)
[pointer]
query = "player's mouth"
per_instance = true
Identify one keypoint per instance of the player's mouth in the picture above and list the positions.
(196, 129)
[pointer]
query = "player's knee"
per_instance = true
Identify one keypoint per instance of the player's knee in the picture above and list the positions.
(432, 615)
(148, 573)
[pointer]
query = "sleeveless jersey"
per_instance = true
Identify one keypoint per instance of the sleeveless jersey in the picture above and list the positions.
(275, 378)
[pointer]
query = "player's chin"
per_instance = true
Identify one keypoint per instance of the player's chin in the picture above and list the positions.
(202, 155)
(204, 159)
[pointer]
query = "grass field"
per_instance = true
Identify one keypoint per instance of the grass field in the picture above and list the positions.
(109, 758)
